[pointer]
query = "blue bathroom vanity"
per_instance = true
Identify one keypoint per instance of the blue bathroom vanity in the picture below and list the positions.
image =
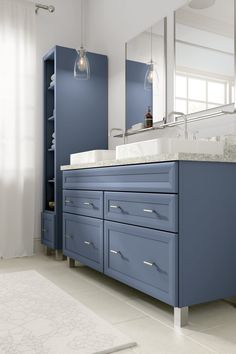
(165, 228)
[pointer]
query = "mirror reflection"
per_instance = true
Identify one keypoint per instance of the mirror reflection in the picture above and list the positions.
(204, 44)
(145, 77)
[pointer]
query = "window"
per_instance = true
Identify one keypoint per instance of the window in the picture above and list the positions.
(197, 92)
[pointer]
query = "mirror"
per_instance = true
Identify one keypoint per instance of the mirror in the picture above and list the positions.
(204, 59)
(140, 93)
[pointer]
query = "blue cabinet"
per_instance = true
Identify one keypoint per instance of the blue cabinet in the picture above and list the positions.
(157, 178)
(75, 120)
(143, 258)
(153, 210)
(83, 240)
(138, 205)
(48, 228)
(169, 228)
(88, 203)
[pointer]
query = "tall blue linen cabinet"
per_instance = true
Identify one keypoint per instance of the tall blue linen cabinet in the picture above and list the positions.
(75, 120)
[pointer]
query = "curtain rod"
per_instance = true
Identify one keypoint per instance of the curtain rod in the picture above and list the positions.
(49, 8)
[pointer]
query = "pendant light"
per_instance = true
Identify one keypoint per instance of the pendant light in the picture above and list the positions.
(151, 75)
(82, 67)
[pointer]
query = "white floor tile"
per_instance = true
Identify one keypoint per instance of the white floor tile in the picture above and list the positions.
(211, 329)
(153, 337)
(222, 339)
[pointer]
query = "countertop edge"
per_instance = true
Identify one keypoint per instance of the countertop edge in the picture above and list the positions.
(153, 159)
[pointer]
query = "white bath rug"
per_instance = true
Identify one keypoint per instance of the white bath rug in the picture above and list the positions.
(38, 317)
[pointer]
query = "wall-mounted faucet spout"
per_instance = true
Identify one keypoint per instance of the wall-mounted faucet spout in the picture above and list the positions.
(118, 130)
(178, 115)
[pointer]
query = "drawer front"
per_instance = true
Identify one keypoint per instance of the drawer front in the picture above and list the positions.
(142, 258)
(157, 177)
(88, 203)
(48, 229)
(83, 240)
(158, 211)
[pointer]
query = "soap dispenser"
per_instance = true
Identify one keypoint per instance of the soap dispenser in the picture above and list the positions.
(148, 119)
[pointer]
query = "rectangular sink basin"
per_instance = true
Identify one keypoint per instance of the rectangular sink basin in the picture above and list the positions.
(168, 146)
(92, 156)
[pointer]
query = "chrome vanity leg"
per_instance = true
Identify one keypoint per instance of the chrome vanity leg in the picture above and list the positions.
(71, 262)
(180, 316)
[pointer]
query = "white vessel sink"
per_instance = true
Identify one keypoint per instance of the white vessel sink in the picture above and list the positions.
(92, 156)
(168, 146)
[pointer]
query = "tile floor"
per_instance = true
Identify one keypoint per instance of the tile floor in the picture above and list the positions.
(211, 329)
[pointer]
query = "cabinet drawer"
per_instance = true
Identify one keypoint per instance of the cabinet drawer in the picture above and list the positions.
(158, 211)
(88, 203)
(142, 258)
(156, 177)
(83, 240)
(48, 229)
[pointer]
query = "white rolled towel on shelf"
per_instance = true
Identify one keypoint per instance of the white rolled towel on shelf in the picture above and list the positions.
(53, 135)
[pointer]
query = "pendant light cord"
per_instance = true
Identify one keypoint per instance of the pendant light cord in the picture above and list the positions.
(82, 23)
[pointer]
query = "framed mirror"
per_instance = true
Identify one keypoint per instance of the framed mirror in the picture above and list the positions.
(146, 75)
(204, 55)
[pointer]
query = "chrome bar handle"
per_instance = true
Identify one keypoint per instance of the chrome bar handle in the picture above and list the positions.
(149, 211)
(149, 264)
(114, 206)
(114, 252)
(69, 236)
(88, 204)
(87, 243)
(68, 201)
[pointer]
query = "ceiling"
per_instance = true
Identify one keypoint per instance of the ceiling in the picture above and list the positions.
(218, 18)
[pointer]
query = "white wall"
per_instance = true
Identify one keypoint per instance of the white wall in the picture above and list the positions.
(110, 24)
(61, 28)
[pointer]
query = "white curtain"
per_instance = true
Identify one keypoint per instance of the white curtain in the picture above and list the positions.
(17, 128)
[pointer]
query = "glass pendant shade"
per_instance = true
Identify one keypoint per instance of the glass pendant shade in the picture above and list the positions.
(82, 67)
(151, 77)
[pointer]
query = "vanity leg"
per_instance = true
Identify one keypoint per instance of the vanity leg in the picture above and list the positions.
(71, 262)
(180, 316)
(47, 251)
(59, 255)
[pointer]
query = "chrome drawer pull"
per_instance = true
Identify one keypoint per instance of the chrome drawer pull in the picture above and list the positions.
(114, 252)
(148, 211)
(88, 204)
(148, 263)
(69, 236)
(68, 201)
(87, 243)
(114, 206)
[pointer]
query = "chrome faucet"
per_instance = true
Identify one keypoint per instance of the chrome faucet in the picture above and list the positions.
(181, 114)
(118, 130)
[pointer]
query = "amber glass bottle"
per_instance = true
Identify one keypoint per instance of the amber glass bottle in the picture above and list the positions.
(148, 118)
